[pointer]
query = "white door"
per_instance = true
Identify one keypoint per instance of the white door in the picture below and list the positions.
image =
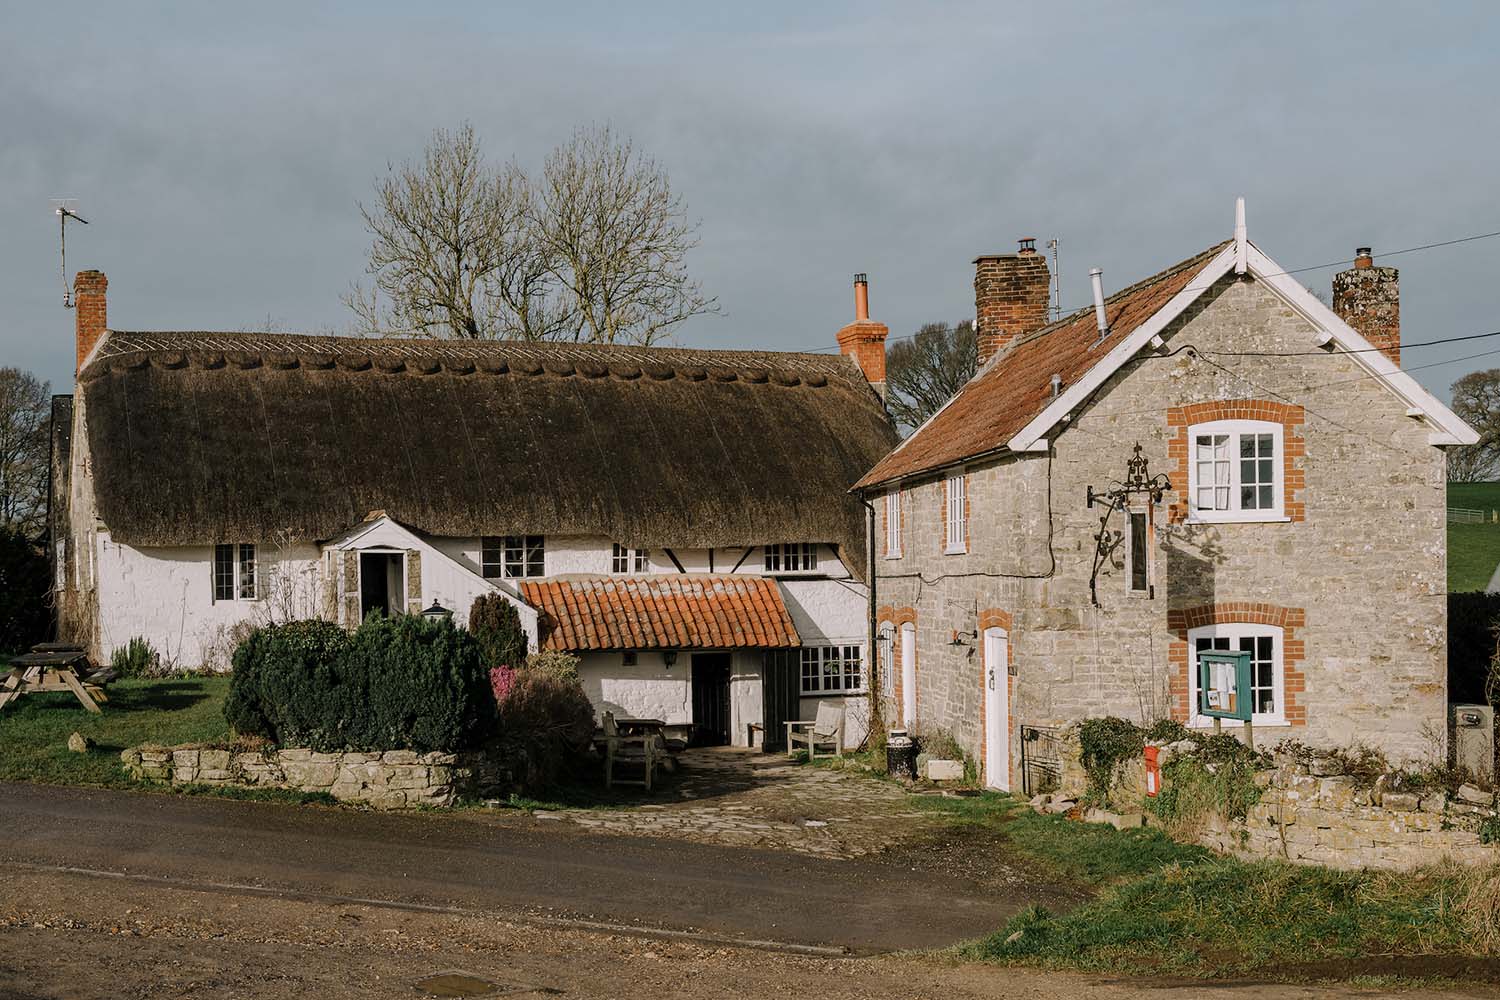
(996, 709)
(908, 675)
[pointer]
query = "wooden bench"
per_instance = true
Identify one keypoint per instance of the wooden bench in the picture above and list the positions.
(54, 667)
(827, 730)
(642, 749)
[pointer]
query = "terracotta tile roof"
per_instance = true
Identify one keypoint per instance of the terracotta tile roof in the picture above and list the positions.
(661, 612)
(1011, 392)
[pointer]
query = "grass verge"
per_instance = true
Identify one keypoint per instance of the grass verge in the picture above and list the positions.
(1221, 917)
(34, 730)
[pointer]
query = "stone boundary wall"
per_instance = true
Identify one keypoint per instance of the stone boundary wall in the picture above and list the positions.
(393, 779)
(1310, 812)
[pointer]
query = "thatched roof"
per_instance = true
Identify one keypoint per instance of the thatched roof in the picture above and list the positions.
(201, 437)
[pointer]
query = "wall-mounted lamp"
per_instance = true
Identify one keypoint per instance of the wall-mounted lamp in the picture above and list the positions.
(669, 657)
(963, 638)
(436, 613)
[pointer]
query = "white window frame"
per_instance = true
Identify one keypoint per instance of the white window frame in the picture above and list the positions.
(819, 658)
(625, 560)
(244, 579)
(786, 558)
(955, 493)
(885, 640)
(1234, 429)
(490, 569)
(893, 524)
(1235, 631)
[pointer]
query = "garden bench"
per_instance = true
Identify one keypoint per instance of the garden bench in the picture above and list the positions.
(55, 667)
(638, 749)
(827, 730)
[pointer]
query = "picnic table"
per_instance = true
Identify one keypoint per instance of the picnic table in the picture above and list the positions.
(55, 666)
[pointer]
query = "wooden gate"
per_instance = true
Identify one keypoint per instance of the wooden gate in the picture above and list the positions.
(781, 694)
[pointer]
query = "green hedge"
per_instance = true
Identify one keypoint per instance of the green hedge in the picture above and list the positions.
(401, 683)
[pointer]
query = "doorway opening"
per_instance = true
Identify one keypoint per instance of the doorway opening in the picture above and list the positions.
(382, 583)
(711, 699)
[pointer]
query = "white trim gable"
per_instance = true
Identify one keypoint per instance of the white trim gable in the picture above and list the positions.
(1447, 427)
(1032, 437)
(386, 531)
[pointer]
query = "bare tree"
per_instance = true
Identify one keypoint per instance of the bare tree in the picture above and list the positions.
(1476, 398)
(25, 422)
(923, 373)
(595, 250)
(617, 239)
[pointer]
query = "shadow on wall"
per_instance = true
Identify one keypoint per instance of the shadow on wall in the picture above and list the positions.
(1192, 554)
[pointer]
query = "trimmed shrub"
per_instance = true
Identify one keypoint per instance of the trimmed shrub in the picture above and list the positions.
(496, 624)
(25, 582)
(554, 663)
(400, 683)
(550, 719)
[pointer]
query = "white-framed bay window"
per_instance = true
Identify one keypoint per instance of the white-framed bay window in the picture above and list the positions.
(893, 524)
(1264, 643)
(831, 670)
(956, 495)
(1235, 471)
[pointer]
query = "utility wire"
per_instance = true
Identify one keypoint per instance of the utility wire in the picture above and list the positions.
(1297, 270)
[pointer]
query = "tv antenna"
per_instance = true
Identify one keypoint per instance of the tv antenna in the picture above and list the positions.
(65, 209)
(1056, 281)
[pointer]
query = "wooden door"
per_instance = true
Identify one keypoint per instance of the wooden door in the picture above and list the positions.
(781, 694)
(711, 699)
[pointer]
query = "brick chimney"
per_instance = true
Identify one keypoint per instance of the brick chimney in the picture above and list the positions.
(864, 339)
(1368, 298)
(1012, 292)
(88, 311)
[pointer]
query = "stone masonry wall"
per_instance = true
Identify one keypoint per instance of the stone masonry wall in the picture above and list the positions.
(1359, 579)
(1310, 812)
(393, 779)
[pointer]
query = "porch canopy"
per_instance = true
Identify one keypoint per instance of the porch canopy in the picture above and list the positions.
(661, 612)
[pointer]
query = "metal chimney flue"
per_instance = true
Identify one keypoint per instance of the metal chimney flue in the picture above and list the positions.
(1096, 278)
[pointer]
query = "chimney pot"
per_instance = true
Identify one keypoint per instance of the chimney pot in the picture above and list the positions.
(1368, 298)
(1012, 293)
(864, 339)
(90, 316)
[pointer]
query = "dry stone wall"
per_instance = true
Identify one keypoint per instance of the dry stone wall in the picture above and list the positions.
(1309, 812)
(393, 779)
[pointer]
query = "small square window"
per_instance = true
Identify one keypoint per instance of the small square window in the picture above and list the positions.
(628, 560)
(1235, 471)
(791, 557)
(830, 670)
(523, 556)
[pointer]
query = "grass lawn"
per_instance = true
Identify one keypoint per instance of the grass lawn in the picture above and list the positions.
(1473, 554)
(34, 730)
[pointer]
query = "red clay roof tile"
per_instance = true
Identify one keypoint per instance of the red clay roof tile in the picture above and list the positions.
(661, 612)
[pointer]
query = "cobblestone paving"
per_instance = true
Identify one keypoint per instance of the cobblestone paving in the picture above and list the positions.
(752, 799)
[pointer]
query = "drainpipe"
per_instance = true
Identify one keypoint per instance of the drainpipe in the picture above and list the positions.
(870, 636)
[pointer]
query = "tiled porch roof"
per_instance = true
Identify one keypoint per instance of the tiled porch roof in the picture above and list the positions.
(661, 612)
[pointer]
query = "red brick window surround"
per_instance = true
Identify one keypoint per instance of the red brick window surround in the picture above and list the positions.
(951, 485)
(1293, 447)
(893, 524)
(895, 619)
(1282, 624)
(995, 618)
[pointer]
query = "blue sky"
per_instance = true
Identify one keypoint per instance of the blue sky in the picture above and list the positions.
(219, 151)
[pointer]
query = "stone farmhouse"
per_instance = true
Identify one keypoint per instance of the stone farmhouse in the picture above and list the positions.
(679, 519)
(1301, 518)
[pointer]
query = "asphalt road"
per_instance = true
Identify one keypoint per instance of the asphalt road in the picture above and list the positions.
(535, 870)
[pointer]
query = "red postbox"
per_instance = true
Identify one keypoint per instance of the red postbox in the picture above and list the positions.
(1153, 771)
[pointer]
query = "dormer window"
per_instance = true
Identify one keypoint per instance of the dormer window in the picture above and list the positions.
(628, 560)
(792, 557)
(1235, 471)
(513, 557)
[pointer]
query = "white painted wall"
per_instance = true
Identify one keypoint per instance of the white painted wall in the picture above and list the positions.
(165, 595)
(648, 690)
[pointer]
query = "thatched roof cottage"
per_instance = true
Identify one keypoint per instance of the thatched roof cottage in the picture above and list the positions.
(679, 518)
